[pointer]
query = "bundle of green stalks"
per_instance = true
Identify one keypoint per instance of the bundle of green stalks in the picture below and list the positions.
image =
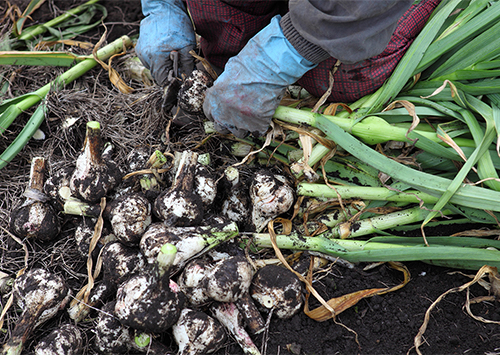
(442, 104)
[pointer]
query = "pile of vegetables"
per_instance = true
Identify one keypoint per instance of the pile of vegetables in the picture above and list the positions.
(169, 234)
(154, 249)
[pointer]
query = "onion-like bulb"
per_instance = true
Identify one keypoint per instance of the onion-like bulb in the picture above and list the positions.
(93, 176)
(151, 302)
(227, 280)
(179, 205)
(192, 92)
(197, 333)
(36, 218)
(130, 216)
(112, 337)
(119, 264)
(40, 294)
(236, 204)
(66, 340)
(271, 196)
(277, 288)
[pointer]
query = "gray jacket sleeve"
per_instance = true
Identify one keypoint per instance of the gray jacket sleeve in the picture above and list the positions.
(348, 30)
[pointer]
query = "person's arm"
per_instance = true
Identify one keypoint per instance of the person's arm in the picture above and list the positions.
(244, 98)
(348, 30)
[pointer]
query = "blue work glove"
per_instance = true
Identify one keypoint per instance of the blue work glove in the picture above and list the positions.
(244, 98)
(166, 28)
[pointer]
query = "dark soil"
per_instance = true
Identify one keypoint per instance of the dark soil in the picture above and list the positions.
(385, 324)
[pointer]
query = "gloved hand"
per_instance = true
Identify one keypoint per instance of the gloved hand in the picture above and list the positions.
(165, 28)
(244, 98)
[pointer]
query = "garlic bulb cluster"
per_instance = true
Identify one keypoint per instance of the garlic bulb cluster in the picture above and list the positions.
(151, 240)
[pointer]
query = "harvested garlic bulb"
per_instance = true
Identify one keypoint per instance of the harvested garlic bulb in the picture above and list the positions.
(35, 218)
(277, 288)
(179, 205)
(197, 333)
(271, 196)
(150, 301)
(130, 216)
(93, 176)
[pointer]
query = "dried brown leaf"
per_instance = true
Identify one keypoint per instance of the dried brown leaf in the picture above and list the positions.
(411, 111)
(43, 45)
(114, 77)
(340, 304)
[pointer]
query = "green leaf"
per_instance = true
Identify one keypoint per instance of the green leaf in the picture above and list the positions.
(460, 36)
(482, 87)
(485, 167)
(448, 109)
(466, 195)
(22, 138)
(32, 6)
(14, 101)
(62, 59)
(479, 49)
(432, 147)
(412, 57)
(469, 74)
(16, 108)
(465, 16)
(32, 32)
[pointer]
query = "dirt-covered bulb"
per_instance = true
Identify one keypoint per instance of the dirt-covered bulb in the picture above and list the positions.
(150, 301)
(271, 196)
(93, 176)
(66, 340)
(277, 288)
(179, 205)
(35, 218)
(197, 333)
(40, 294)
(130, 215)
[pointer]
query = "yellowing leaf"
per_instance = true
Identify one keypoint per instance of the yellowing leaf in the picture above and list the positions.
(32, 6)
(69, 42)
(59, 59)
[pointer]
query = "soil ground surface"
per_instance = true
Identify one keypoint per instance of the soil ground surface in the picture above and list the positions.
(385, 324)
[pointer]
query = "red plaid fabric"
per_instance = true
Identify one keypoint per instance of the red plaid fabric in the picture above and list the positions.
(226, 26)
